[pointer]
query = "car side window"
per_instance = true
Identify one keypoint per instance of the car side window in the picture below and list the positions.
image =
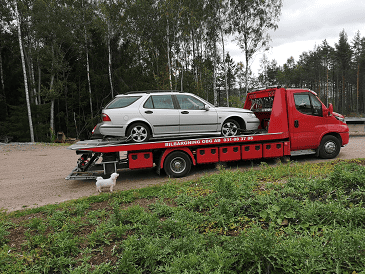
(149, 103)
(307, 103)
(189, 102)
(122, 102)
(159, 102)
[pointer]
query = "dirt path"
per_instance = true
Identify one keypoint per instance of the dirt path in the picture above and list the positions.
(34, 174)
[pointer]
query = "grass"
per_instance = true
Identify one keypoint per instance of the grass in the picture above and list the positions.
(292, 218)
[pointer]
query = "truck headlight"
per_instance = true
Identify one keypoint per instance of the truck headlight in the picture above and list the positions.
(340, 119)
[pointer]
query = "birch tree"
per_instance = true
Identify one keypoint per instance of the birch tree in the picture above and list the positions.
(108, 11)
(24, 72)
(252, 20)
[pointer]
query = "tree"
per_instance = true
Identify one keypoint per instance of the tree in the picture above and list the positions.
(17, 16)
(357, 48)
(344, 54)
(252, 20)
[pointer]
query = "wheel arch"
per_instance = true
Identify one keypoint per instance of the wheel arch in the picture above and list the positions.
(170, 150)
(238, 119)
(334, 134)
(130, 124)
(327, 151)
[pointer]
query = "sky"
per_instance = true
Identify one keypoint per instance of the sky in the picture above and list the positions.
(306, 23)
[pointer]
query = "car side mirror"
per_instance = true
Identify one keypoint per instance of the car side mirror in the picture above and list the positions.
(330, 110)
(206, 107)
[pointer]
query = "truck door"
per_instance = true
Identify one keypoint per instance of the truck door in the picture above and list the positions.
(305, 120)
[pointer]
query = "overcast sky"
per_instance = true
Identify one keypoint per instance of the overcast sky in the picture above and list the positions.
(304, 24)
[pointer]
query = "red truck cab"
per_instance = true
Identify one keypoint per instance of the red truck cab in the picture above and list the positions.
(309, 124)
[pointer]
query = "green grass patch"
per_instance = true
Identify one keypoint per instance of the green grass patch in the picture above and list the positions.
(289, 218)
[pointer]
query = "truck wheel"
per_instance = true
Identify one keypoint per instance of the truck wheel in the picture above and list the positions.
(329, 148)
(139, 133)
(177, 164)
(230, 128)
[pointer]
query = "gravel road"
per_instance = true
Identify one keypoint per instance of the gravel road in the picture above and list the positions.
(34, 174)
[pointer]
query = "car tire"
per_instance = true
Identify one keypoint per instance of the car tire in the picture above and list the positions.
(138, 133)
(329, 147)
(177, 164)
(230, 128)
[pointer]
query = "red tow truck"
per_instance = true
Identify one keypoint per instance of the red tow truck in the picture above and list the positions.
(292, 122)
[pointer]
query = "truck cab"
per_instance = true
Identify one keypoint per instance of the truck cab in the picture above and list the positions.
(307, 122)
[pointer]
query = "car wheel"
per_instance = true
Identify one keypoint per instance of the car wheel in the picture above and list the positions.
(139, 133)
(230, 127)
(177, 164)
(329, 147)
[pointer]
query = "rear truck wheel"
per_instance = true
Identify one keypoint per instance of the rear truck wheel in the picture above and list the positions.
(177, 164)
(139, 133)
(329, 147)
(230, 128)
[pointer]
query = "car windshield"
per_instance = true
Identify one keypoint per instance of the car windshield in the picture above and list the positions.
(122, 102)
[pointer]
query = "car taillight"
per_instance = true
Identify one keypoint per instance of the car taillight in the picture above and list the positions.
(106, 118)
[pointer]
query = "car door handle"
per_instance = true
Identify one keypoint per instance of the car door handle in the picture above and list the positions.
(296, 123)
(148, 112)
(185, 112)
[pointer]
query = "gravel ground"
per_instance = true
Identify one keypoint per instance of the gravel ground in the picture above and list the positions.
(34, 174)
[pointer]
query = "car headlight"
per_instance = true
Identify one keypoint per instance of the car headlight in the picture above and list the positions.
(251, 115)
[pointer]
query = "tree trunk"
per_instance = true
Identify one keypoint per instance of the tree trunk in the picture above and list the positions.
(25, 75)
(2, 83)
(52, 105)
(168, 54)
(33, 83)
(39, 83)
(357, 88)
(225, 69)
(88, 74)
(110, 67)
(215, 76)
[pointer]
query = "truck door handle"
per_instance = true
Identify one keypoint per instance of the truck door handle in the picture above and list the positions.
(296, 123)
(185, 112)
(148, 112)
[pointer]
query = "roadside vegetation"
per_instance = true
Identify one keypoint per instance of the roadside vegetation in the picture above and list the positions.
(289, 218)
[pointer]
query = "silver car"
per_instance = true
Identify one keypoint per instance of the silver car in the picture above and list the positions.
(155, 114)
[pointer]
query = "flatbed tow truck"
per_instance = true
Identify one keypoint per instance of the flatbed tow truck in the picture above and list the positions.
(292, 122)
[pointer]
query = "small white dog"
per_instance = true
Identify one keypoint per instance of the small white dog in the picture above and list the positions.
(111, 182)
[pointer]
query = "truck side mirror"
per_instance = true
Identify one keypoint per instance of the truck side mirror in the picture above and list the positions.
(330, 109)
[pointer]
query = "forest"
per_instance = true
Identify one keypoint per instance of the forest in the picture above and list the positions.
(62, 61)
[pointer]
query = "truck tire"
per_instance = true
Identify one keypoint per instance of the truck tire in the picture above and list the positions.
(139, 132)
(230, 128)
(177, 164)
(329, 147)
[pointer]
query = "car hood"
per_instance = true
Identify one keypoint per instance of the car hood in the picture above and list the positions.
(229, 109)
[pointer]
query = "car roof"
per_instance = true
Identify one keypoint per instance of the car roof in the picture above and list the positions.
(152, 91)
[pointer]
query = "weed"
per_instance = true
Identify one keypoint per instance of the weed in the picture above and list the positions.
(293, 218)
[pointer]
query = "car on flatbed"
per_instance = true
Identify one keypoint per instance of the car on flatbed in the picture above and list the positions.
(143, 115)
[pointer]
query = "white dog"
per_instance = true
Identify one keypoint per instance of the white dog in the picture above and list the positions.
(111, 182)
